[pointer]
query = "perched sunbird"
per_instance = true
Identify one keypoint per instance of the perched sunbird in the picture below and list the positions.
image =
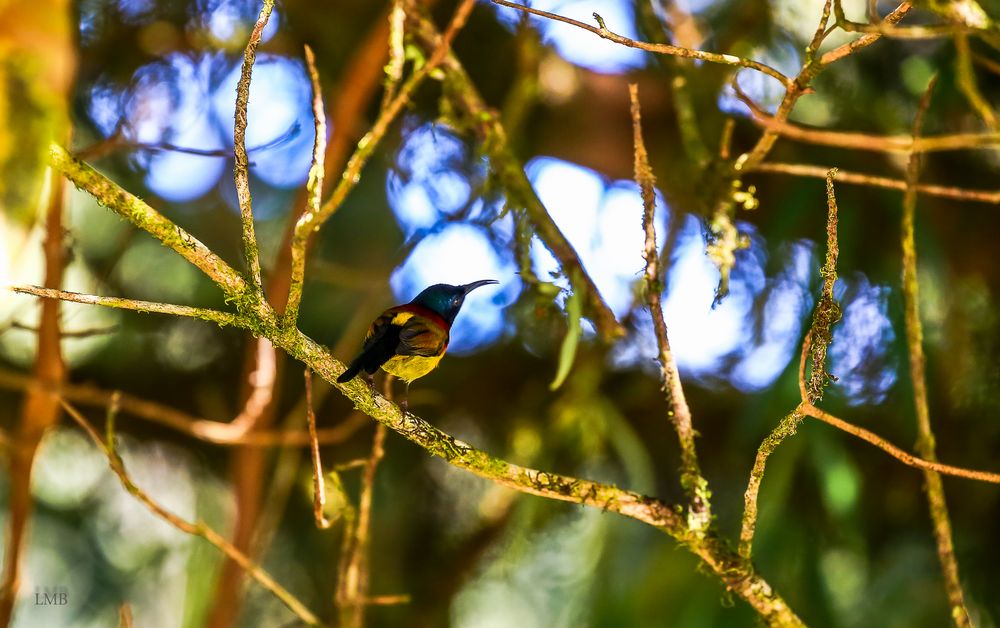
(409, 340)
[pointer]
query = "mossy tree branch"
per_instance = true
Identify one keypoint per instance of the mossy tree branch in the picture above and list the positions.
(736, 574)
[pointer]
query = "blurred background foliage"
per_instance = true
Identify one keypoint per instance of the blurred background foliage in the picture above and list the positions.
(844, 532)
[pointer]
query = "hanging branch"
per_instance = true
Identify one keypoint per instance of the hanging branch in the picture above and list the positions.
(694, 484)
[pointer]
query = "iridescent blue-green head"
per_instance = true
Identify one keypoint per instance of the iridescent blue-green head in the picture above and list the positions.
(446, 300)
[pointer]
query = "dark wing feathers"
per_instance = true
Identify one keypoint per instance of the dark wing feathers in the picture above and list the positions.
(417, 336)
(420, 336)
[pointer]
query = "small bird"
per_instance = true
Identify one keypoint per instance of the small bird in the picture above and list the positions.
(409, 340)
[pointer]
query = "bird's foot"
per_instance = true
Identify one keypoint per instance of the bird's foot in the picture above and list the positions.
(370, 378)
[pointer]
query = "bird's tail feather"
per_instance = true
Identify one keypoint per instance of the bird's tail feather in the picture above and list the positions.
(351, 372)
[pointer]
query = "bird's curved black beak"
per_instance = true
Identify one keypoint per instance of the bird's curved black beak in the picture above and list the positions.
(469, 287)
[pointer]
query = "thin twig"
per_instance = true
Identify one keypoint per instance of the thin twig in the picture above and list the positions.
(914, 342)
(906, 458)
(857, 178)
(222, 319)
(905, 144)
(74, 333)
(241, 172)
(125, 615)
(209, 431)
(931, 31)
(314, 184)
(388, 600)
(986, 62)
(352, 589)
(602, 31)
(319, 489)
(198, 528)
(694, 484)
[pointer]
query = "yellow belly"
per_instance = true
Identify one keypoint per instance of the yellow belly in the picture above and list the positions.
(410, 367)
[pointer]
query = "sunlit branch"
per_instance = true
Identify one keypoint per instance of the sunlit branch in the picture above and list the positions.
(914, 343)
(787, 427)
(810, 68)
(133, 209)
(866, 40)
(897, 453)
(932, 31)
(856, 178)
(241, 172)
(209, 431)
(864, 141)
(198, 528)
(693, 482)
(602, 31)
(314, 189)
(223, 319)
(397, 51)
(262, 377)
